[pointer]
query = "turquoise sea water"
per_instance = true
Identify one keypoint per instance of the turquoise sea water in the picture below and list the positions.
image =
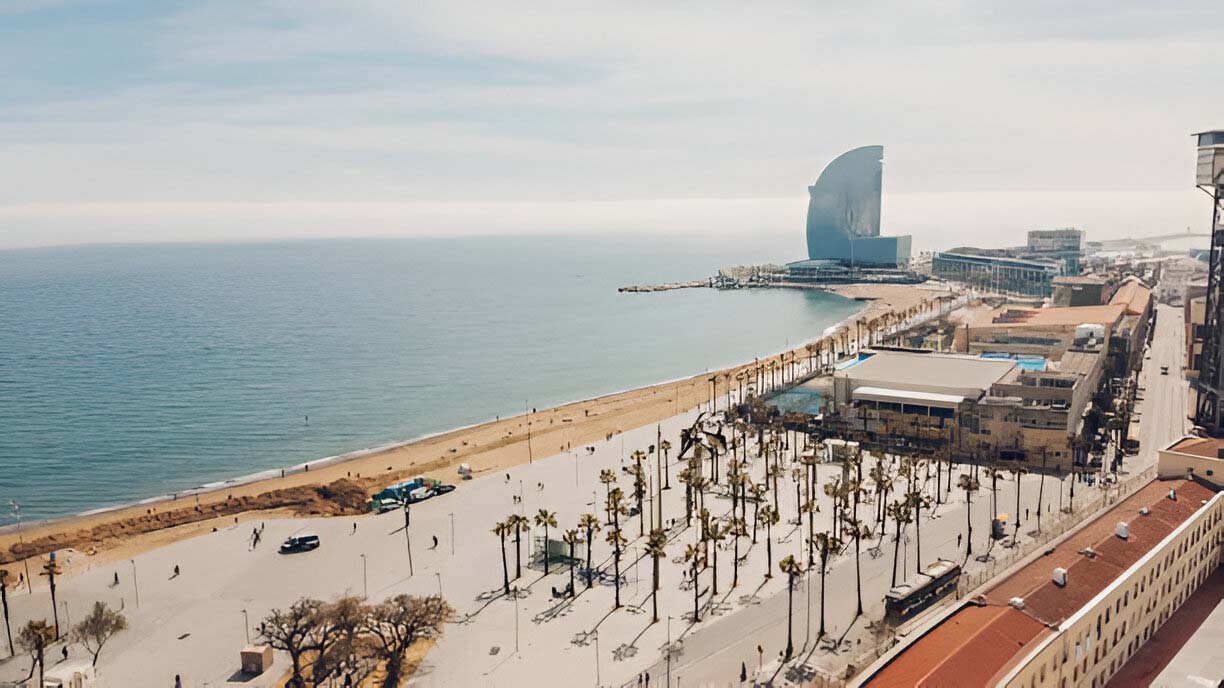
(132, 371)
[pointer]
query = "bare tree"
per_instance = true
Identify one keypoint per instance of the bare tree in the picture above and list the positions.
(399, 622)
(99, 626)
(34, 639)
(292, 631)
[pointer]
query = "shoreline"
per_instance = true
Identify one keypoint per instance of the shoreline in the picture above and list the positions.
(487, 446)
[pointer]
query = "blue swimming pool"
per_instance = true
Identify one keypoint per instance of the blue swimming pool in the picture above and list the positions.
(1033, 363)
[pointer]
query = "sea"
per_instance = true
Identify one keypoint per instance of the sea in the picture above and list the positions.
(130, 371)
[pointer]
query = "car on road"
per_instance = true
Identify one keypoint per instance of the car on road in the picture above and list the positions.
(300, 543)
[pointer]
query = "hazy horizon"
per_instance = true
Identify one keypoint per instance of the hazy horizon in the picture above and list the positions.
(135, 121)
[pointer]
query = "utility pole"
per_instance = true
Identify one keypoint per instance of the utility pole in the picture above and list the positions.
(408, 538)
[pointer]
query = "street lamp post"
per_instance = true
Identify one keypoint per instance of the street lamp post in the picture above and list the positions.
(135, 585)
(439, 575)
(17, 515)
(516, 619)
(365, 584)
(246, 625)
(452, 519)
(669, 651)
(408, 538)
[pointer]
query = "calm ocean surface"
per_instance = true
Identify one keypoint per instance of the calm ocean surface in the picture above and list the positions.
(132, 371)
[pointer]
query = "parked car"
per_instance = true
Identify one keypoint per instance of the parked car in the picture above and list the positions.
(300, 543)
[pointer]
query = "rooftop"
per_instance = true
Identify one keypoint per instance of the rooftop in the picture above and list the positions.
(932, 371)
(1133, 294)
(1082, 279)
(980, 641)
(1049, 317)
(1204, 447)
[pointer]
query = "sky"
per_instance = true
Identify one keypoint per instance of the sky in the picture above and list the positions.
(246, 119)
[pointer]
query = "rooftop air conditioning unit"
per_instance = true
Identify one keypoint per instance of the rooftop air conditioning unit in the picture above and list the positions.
(1173, 495)
(1123, 530)
(1060, 577)
(1144, 511)
(1017, 602)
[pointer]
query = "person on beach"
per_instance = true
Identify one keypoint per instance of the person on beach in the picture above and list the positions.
(354, 528)
(116, 581)
(435, 542)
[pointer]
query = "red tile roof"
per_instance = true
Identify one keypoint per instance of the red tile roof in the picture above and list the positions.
(977, 643)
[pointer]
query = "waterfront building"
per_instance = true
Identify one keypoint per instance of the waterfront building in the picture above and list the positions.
(997, 271)
(1048, 332)
(1023, 408)
(1065, 244)
(843, 218)
(1077, 614)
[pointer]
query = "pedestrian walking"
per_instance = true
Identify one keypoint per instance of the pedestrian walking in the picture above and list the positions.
(178, 681)
(116, 581)
(435, 542)
(959, 536)
(354, 528)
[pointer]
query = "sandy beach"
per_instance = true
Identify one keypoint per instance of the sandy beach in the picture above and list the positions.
(340, 487)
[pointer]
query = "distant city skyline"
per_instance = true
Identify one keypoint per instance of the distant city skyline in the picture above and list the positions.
(171, 121)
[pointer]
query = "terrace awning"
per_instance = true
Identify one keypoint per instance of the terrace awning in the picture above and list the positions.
(902, 396)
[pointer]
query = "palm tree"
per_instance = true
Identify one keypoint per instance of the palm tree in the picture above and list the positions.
(501, 530)
(655, 544)
(617, 540)
(1019, 470)
(693, 555)
(918, 500)
(570, 537)
(992, 474)
(607, 477)
(770, 515)
(858, 530)
(899, 512)
(791, 568)
(776, 471)
(758, 491)
(519, 525)
(639, 492)
(546, 519)
(665, 446)
(714, 535)
(589, 522)
(735, 528)
(826, 543)
(969, 484)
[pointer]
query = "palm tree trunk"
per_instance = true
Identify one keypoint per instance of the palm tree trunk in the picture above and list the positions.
(824, 559)
(896, 552)
(8, 631)
(768, 548)
(545, 550)
(518, 562)
(654, 595)
(735, 564)
(1017, 536)
(858, 576)
(505, 568)
(1041, 489)
(571, 565)
(918, 535)
(790, 614)
(696, 594)
(588, 566)
(968, 523)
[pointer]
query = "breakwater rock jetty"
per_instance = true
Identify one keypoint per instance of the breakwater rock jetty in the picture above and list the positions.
(692, 284)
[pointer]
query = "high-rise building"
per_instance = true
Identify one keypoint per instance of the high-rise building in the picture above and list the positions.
(843, 220)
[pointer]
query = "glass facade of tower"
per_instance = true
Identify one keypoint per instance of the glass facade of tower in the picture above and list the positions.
(843, 220)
